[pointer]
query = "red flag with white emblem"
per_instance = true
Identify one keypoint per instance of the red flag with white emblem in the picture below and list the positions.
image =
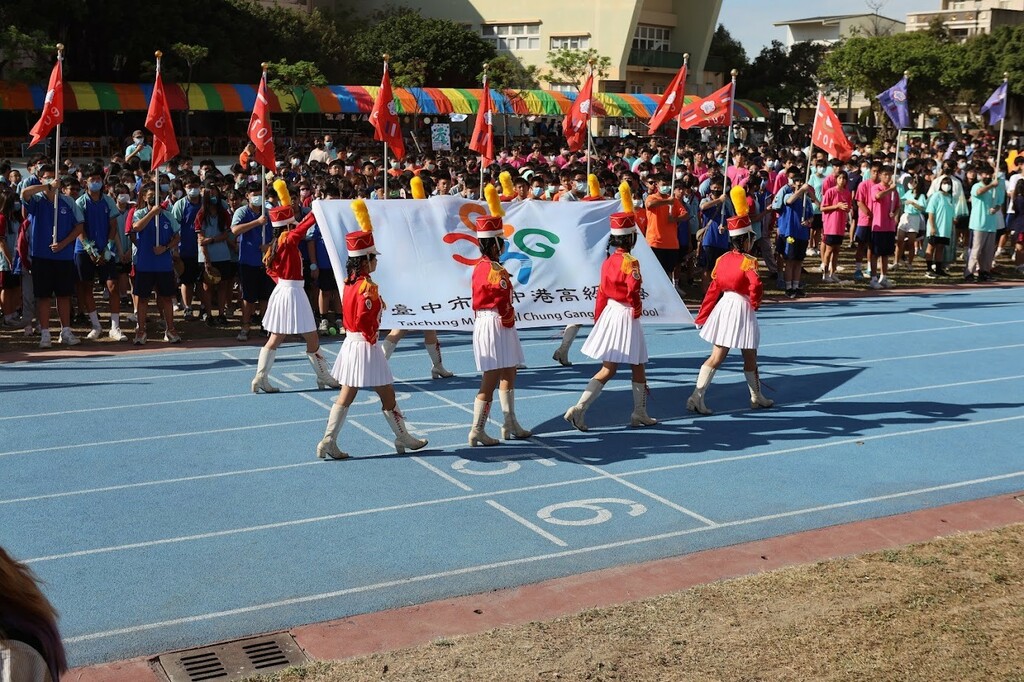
(576, 122)
(384, 118)
(712, 111)
(53, 106)
(158, 122)
(671, 102)
(261, 130)
(482, 141)
(828, 132)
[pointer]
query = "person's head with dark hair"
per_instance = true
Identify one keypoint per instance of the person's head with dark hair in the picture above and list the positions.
(28, 617)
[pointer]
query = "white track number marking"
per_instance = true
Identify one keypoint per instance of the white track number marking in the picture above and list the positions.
(601, 514)
(509, 464)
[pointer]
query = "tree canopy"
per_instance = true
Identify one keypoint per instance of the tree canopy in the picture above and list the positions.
(784, 79)
(570, 66)
(728, 49)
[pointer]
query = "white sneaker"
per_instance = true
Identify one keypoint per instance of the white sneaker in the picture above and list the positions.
(243, 335)
(68, 338)
(132, 317)
(1000, 253)
(875, 284)
(885, 283)
(171, 337)
(95, 334)
(44, 339)
(895, 267)
(116, 334)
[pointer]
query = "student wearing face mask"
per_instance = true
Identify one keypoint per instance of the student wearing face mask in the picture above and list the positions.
(662, 232)
(156, 236)
(138, 149)
(941, 210)
(184, 210)
(249, 223)
(94, 251)
(537, 190)
(983, 224)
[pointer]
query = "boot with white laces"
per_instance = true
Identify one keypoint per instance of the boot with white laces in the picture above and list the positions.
(575, 414)
(696, 401)
(640, 416)
(478, 434)
(757, 399)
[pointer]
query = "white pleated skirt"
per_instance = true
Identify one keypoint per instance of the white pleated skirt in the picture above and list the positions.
(361, 364)
(288, 310)
(616, 337)
(495, 346)
(732, 323)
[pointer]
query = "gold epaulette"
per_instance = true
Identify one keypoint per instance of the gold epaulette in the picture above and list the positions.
(748, 263)
(497, 273)
(369, 289)
(629, 264)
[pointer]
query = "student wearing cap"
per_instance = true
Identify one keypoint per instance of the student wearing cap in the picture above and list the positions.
(726, 316)
(288, 309)
(361, 362)
(496, 346)
(617, 336)
(138, 149)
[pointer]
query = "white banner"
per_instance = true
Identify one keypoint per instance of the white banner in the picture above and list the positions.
(554, 253)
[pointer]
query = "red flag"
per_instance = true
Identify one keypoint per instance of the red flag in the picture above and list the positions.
(53, 105)
(261, 130)
(671, 102)
(712, 111)
(482, 141)
(384, 118)
(574, 126)
(828, 132)
(158, 122)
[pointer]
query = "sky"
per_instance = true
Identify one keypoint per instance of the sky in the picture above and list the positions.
(750, 21)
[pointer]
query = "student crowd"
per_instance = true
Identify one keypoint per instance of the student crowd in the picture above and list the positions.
(195, 235)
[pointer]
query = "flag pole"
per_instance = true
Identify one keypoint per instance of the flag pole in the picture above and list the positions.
(590, 94)
(384, 159)
(56, 158)
(156, 171)
(679, 127)
(999, 148)
(728, 136)
(814, 123)
(480, 113)
(263, 174)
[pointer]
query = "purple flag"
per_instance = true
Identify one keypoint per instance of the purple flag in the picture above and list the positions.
(996, 105)
(894, 102)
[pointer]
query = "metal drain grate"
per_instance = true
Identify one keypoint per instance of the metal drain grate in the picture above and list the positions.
(234, 660)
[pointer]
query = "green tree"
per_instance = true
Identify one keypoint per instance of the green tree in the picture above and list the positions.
(25, 56)
(296, 80)
(191, 55)
(727, 48)
(785, 79)
(571, 66)
(425, 52)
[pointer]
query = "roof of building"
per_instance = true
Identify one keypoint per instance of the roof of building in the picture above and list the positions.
(833, 19)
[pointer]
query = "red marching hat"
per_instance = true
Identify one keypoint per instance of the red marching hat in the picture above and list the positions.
(739, 226)
(623, 224)
(360, 242)
(281, 216)
(489, 226)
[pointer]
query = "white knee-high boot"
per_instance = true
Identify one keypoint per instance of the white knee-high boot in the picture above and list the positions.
(261, 382)
(574, 415)
(561, 355)
(478, 434)
(323, 372)
(403, 439)
(388, 348)
(328, 446)
(640, 416)
(696, 400)
(757, 399)
(437, 371)
(511, 427)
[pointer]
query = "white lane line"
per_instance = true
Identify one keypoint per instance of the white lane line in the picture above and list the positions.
(945, 319)
(142, 439)
(603, 475)
(479, 568)
(529, 524)
(144, 484)
(820, 446)
(134, 406)
(306, 521)
(921, 388)
(632, 486)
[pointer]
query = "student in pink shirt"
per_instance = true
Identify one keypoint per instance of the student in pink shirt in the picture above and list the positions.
(835, 210)
(883, 227)
(862, 234)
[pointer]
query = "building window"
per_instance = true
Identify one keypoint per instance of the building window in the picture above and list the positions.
(562, 87)
(570, 43)
(636, 88)
(658, 89)
(512, 36)
(652, 38)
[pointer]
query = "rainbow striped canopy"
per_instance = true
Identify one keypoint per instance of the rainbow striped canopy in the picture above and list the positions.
(333, 99)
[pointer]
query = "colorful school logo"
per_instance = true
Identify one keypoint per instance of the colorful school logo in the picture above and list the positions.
(529, 243)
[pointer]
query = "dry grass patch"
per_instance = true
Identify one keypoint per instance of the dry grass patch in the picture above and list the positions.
(951, 609)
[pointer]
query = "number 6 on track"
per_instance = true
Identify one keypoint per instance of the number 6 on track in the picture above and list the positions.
(601, 514)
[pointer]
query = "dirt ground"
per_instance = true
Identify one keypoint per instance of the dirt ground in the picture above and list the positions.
(951, 609)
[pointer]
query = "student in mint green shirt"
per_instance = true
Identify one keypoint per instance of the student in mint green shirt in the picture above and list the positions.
(914, 201)
(983, 225)
(941, 210)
